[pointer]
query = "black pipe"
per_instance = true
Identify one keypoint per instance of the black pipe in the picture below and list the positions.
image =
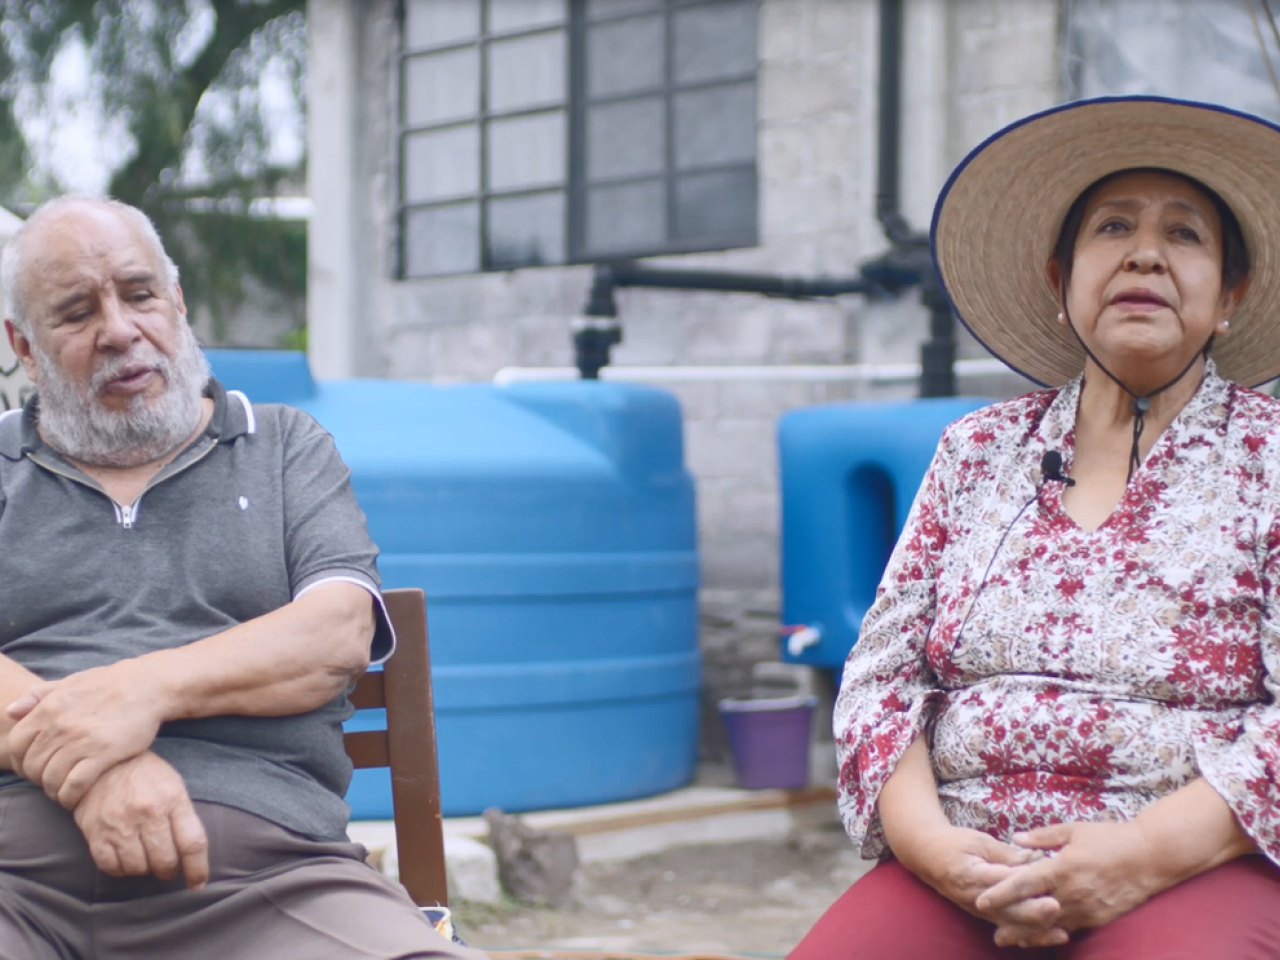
(889, 148)
(593, 339)
(938, 353)
(628, 273)
(591, 345)
(600, 302)
(599, 332)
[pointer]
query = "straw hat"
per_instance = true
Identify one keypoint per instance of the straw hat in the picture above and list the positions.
(999, 215)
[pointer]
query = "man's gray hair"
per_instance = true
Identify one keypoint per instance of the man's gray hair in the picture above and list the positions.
(13, 260)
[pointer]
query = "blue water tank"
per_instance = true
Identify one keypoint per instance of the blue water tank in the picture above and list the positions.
(849, 473)
(552, 528)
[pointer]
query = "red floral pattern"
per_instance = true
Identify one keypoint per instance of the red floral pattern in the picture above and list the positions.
(1093, 671)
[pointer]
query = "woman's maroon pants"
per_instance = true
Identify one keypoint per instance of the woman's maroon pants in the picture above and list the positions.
(1229, 913)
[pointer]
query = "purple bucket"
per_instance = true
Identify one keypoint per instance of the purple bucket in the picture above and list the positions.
(769, 740)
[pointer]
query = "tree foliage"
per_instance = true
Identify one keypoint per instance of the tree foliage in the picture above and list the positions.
(179, 81)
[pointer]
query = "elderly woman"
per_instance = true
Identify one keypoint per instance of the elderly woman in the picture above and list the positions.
(1058, 729)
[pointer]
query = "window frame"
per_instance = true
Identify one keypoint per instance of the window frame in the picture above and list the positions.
(574, 185)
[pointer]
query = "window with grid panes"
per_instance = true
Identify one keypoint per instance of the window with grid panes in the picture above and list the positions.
(551, 131)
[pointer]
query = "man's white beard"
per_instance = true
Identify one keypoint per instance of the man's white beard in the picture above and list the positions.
(75, 423)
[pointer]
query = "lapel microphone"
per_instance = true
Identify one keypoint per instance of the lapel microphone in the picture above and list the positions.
(1051, 469)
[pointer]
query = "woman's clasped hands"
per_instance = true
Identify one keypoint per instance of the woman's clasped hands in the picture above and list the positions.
(1047, 883)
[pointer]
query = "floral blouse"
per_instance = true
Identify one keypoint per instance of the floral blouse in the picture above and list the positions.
(1089, 672)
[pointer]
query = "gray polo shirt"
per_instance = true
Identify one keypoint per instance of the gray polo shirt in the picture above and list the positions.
(254, 512)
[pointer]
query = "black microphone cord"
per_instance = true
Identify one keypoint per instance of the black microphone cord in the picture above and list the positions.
(1050, 472)
(1141, 404)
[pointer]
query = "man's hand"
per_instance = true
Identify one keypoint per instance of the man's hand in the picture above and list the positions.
(138, 820)
(70, 731)
(963, 865)
(1098, 873)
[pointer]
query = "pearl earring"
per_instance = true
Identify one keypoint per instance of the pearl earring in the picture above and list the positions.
(1226, 324)
(1061, 316)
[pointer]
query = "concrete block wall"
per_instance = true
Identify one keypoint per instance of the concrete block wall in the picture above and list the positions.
(1005, 64)
(971, 65)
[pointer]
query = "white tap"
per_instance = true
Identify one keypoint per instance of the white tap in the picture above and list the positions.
(802, 638)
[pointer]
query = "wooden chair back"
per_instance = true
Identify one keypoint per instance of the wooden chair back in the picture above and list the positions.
(408, 747)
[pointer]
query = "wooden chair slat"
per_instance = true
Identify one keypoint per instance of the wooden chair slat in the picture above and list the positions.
(408, 747)
(369, 693)
(368, 748)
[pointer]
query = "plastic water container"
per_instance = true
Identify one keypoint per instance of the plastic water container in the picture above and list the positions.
(849, 474)
(769, 740)
(552, 527)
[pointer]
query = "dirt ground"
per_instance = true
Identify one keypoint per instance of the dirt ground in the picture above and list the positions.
(756, 898)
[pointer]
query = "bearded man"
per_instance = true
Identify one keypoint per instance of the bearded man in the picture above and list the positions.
(187, 590)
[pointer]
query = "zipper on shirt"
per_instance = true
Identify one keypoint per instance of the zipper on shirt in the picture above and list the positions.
(126, 515)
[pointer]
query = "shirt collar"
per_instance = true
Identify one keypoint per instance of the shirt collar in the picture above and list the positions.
(230, 419)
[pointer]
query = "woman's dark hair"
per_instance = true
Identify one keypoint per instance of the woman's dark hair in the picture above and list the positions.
(1235, 255)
